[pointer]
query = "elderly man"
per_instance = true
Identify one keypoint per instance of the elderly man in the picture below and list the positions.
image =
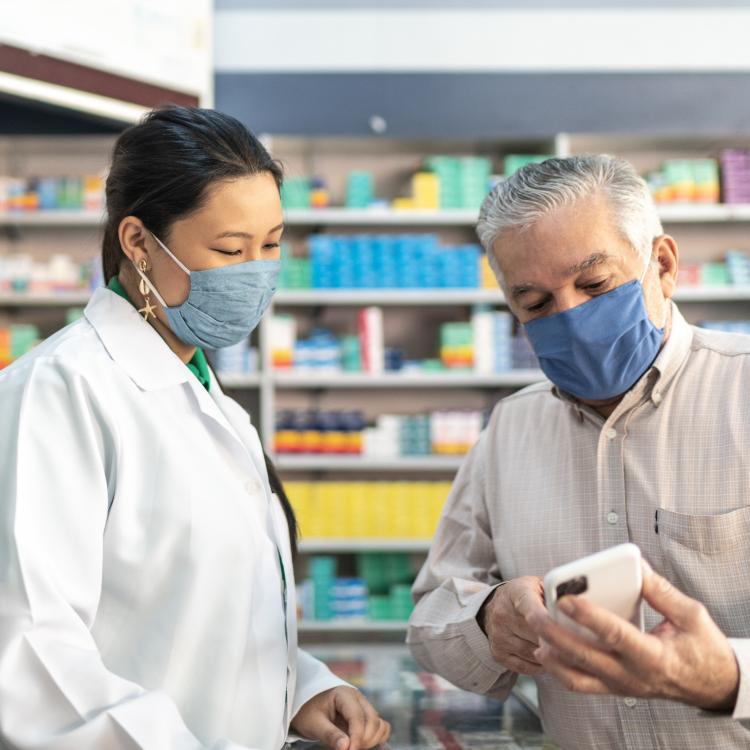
(642, 435)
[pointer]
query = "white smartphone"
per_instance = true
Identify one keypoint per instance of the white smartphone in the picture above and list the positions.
(611, 578)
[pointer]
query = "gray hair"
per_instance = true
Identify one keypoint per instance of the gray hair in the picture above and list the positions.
(537, 189)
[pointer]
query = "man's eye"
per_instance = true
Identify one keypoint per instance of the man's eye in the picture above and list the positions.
(537, 307)
(596, 285)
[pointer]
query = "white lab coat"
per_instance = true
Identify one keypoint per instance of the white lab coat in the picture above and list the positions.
(140, 586)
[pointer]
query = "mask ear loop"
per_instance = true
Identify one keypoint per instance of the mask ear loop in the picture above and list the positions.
(171, 254)
(147, 281)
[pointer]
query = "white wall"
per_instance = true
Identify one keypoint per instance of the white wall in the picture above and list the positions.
(163, 42)
(451, 39)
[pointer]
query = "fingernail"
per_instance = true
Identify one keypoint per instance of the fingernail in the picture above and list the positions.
(566, 605)
(341, 743)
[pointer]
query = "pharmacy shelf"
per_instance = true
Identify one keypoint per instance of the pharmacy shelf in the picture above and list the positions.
(677, 213)
(513, 379)
(355, 626)
(697, 213)
(56, 299)
(728, 293)
(315, 546)
(379, 217)
(363, 463)
(61, 218)
(252, 380)
(405, 297)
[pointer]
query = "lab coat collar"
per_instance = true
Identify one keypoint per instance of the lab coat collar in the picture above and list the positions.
(136, 347)
(133, 343)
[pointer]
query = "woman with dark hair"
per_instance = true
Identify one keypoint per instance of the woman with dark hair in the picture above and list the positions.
(146, 583)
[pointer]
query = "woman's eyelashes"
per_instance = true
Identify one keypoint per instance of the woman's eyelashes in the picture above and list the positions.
(270, 247)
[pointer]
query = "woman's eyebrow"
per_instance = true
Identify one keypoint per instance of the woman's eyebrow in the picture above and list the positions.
(246, 235)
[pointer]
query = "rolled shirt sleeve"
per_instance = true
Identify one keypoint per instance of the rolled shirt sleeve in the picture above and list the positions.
(459, 574)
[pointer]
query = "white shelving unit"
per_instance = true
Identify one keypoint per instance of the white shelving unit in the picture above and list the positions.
(305, 381)
(427, 464)
(60, 218)
(56, 299)
(315, 546)
(387, 297)
(267, 384)
(672, 213)
(355, 626)
(384, 298)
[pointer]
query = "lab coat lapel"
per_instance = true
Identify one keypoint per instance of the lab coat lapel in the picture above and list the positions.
(239, 421)
(150, 363)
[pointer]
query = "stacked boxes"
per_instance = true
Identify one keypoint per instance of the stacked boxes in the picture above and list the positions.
(238, 359)
(735, 175)
(464, 181)
(411, 261)
(15, 341)
(319, 432)
(295, 193)
(514, 162)
(21, 273)
(493, 340)
(381, 590)
(52, 193)
(457, 345)
(360, 189)
(362, 510)
(686, 181)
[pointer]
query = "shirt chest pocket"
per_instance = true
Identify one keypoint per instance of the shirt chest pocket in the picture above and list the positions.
(708, 558)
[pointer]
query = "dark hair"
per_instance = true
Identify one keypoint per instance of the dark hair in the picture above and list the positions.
(161, 169)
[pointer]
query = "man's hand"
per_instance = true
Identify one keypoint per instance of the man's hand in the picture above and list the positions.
(506, 619)
(343, 719)
(684, 658)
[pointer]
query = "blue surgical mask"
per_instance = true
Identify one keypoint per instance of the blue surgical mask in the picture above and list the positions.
(224, 304)
(600, 349)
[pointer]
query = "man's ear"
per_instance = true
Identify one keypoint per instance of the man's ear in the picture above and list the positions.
(666, 252)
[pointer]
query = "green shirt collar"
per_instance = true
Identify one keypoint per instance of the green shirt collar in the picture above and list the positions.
(198, 365)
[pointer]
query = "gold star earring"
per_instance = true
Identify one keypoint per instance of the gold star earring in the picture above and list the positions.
(148, 308)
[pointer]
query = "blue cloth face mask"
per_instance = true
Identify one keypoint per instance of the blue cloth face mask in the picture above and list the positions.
(601, 348)
(224, 304)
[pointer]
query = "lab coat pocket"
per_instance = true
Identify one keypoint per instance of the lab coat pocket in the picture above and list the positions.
(709, 559)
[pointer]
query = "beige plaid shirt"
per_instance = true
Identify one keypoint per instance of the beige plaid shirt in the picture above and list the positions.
(550, 481)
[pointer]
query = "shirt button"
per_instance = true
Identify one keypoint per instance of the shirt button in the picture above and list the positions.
(611, 433)
(656, 396)
(252, 486)
(630, 702)
(612, 518)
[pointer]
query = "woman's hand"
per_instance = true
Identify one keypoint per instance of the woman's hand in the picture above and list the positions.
(343, 719)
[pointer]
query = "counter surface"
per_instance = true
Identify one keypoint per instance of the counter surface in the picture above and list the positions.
(428, 713)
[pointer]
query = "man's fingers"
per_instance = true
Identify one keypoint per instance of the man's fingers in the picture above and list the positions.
(522, 666)
(512, 644)
(530, 601)
(572, 678)
(615, 633)
(667, 599)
